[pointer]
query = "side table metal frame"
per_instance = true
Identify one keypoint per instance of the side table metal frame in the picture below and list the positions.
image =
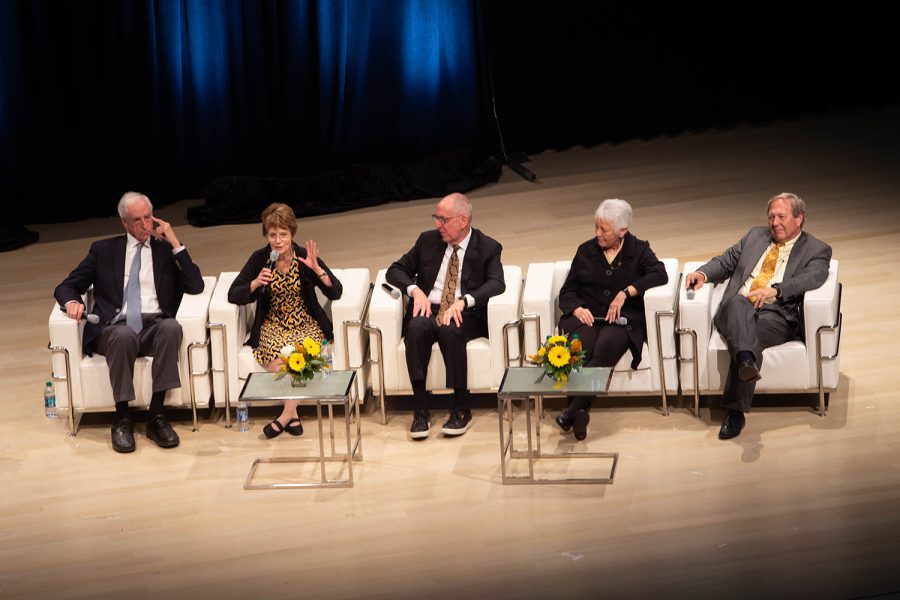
(354, 450)
(533, 451)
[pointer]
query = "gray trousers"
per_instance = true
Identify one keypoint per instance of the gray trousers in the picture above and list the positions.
(120, 345)
(746, 328)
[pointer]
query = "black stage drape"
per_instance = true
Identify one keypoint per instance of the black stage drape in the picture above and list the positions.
(167, 96)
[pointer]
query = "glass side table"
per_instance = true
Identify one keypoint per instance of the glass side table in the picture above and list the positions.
(336, 389)
(528, 384)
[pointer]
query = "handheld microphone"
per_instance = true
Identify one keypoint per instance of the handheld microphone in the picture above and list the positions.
(690, 292)
(273, 258)
(394, 292)
(620, 320)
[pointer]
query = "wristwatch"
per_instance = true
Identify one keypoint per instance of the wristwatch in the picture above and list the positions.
(777, 288)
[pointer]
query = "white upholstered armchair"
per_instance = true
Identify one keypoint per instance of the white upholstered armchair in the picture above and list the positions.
(657, 371)
(487, 358)
(85, 379)
(229, 325)
(808, 366)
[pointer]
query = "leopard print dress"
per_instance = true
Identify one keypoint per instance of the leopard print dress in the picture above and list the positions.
(288, 321)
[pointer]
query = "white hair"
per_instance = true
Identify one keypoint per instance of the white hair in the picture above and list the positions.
(798, 206)
(616, 212)
(129, 198)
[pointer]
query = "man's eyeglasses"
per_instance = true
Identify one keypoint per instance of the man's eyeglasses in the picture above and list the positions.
(443, 220)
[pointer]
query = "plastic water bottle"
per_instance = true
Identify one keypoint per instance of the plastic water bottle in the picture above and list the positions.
(50, 401)
(243, 417)
(327, 357)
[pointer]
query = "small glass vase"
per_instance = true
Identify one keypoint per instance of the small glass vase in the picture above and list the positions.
(297, 381)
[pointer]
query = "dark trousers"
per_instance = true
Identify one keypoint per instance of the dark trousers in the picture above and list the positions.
(160, 338)
(748, 329)
(604, 344)
(422, 332)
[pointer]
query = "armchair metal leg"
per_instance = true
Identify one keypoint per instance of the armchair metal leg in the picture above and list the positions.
(224, 369)
(820, 357)
(193, 374)
(73, 424)
(379, 344)
(662, 358)
(362, 324)
(682, 360)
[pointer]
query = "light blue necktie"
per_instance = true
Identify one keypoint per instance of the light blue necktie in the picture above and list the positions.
(133, 293)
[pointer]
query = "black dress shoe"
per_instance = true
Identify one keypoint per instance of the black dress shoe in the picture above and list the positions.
(159, 430)
(564, 421)
(123, 435)
(732, 425)
(747, 371)
(580, 421)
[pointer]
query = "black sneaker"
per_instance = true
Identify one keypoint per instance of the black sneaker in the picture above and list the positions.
(459, 422)
(580, 421)
(421, 425)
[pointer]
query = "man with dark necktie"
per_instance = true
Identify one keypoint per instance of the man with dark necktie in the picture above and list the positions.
(771, 268)
(449, 275)
(139, 280)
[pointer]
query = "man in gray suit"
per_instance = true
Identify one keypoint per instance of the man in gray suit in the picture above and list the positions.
(771, 268)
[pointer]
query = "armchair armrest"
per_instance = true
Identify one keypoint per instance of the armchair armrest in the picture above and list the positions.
(821, 308)
(694, 315)
(385, 314)
(538, 299)
(65, 333)
(503, 309)
(350, 307)
(226, 336)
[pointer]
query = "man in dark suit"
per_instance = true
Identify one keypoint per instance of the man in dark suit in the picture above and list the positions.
(771, 268)
(139, 279)
(450, 274)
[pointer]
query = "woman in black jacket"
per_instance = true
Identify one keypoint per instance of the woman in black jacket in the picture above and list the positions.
(602, 299)
(282, 279)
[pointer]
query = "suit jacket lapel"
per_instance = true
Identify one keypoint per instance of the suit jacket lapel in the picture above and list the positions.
(469, 261)
(798, 255)
(118, 270)
(753, 252)
(156, 250)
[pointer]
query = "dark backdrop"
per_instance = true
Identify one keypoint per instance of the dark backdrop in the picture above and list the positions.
(164, 96)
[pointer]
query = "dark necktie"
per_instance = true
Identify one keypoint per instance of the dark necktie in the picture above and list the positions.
(448, 296)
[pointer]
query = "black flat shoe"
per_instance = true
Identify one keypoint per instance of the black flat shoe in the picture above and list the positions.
(273, 429)
(732, 425)
(294, 427)
(580, 421)
(564, 421)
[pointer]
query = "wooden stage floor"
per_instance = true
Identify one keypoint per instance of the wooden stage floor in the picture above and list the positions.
(797, 506)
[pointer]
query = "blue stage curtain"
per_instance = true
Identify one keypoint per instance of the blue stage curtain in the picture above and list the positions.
(164, 95)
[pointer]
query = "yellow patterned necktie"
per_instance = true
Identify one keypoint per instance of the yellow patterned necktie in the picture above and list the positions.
(768, 269)
(448, 296)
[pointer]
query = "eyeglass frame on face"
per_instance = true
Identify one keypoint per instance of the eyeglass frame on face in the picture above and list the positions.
(441, 221)
(279, 235)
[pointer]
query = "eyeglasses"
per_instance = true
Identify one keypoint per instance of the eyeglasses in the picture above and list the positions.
(443, 220)
(279, 235)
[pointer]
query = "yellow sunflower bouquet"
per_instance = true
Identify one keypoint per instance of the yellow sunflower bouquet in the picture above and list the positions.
(559, 356)
(302, 361)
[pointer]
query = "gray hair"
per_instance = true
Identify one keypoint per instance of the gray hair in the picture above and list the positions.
(616, 212)
(798, 206)
(461, 204)
(129, 198)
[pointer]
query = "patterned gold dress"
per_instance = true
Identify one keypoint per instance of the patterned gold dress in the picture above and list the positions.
(288, 321)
